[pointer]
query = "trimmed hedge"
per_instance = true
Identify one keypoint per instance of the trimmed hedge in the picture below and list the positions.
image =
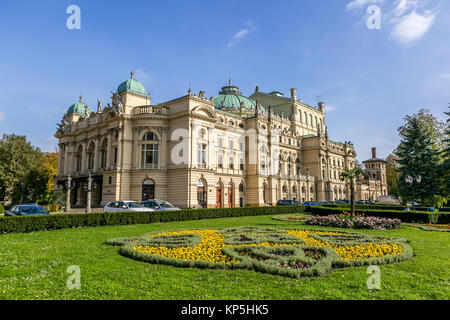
(67, 221)
(404, 216)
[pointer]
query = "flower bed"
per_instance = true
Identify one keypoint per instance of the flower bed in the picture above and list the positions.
(354, 222)
(292, 253)
(433, 227)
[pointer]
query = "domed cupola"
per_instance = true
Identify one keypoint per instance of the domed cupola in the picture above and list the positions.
(133, 86)
(79, 108)
(231, 98)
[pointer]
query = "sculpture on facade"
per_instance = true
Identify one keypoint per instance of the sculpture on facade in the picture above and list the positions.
(117, 106)
(64, 126)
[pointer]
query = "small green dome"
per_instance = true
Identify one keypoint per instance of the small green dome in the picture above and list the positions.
(79, 108)
(134, 86)
(230, 97)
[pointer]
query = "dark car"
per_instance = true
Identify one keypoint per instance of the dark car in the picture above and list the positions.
(288, 203)
(311, 203)
(27, 210)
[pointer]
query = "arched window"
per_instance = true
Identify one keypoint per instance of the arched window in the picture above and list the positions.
(150, 136)
(241, 188)
(148, 190)
(311, 120)
(306, 118)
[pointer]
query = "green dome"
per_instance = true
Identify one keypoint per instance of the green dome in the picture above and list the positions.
(133, 86)
(79, 108)
(231, 97)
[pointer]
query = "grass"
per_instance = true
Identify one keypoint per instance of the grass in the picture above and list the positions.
(33, 266)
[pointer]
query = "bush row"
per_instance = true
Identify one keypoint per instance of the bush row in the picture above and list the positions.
(67, 221)
(404, 216)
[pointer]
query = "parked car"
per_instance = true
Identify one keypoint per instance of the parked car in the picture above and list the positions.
(125, 206)
(288, 203)
(343, 202)
(311, 203)
(159, 205)
(27, 210)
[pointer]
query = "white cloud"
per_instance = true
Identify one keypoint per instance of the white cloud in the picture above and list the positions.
(329, 108)
(241, 34)
(360, 4)
(412, 27)
(2, 116)
(141, 75)
(404, 5)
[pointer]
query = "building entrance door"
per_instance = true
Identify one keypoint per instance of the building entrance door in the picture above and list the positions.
(148, 190)
(219, 197)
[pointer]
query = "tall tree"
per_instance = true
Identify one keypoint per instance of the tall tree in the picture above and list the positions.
(419, 159)
(17, 158)
(351, 175)
(445, 168)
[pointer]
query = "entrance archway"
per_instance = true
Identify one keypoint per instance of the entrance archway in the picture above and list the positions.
(202, 194)
(148, 190)
(219, 195)
(230, 195)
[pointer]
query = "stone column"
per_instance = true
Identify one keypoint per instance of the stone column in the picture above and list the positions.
(96, 154)
(84, 157)
(109, 150)
(69, 186)
(88, 194)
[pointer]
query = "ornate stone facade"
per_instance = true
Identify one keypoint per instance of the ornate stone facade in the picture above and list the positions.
(195, 151)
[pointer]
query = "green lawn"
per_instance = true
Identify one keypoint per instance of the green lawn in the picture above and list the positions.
(33, 266)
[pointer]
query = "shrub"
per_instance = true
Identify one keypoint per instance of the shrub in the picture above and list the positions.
(404, 216)
(67, 221)
(2, 210)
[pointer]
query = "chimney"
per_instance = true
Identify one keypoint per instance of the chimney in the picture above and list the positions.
(374, 153)
(294, 94)
(321, 106)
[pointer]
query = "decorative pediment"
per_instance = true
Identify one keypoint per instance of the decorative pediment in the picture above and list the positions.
(204, 111)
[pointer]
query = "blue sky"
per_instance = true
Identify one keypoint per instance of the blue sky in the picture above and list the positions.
(369, 79)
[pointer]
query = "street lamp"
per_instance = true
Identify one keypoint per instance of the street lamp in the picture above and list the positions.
(410, 180)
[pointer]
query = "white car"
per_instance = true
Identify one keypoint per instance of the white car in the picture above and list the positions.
(125, 206)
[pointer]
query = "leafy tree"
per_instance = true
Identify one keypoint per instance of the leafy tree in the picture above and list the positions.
(351, 175)
(39, 183)
(17, 158)
(418, 158)
(445, 168)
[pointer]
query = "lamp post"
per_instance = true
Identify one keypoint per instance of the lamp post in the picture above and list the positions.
(410, 180)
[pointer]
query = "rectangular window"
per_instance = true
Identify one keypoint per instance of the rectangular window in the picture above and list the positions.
(220, 142)
(231, 163)
(241, 146)
(149, 156)
(241, 164)
(201, 154)
(220, 162)
(230, 144)
(115, 155)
